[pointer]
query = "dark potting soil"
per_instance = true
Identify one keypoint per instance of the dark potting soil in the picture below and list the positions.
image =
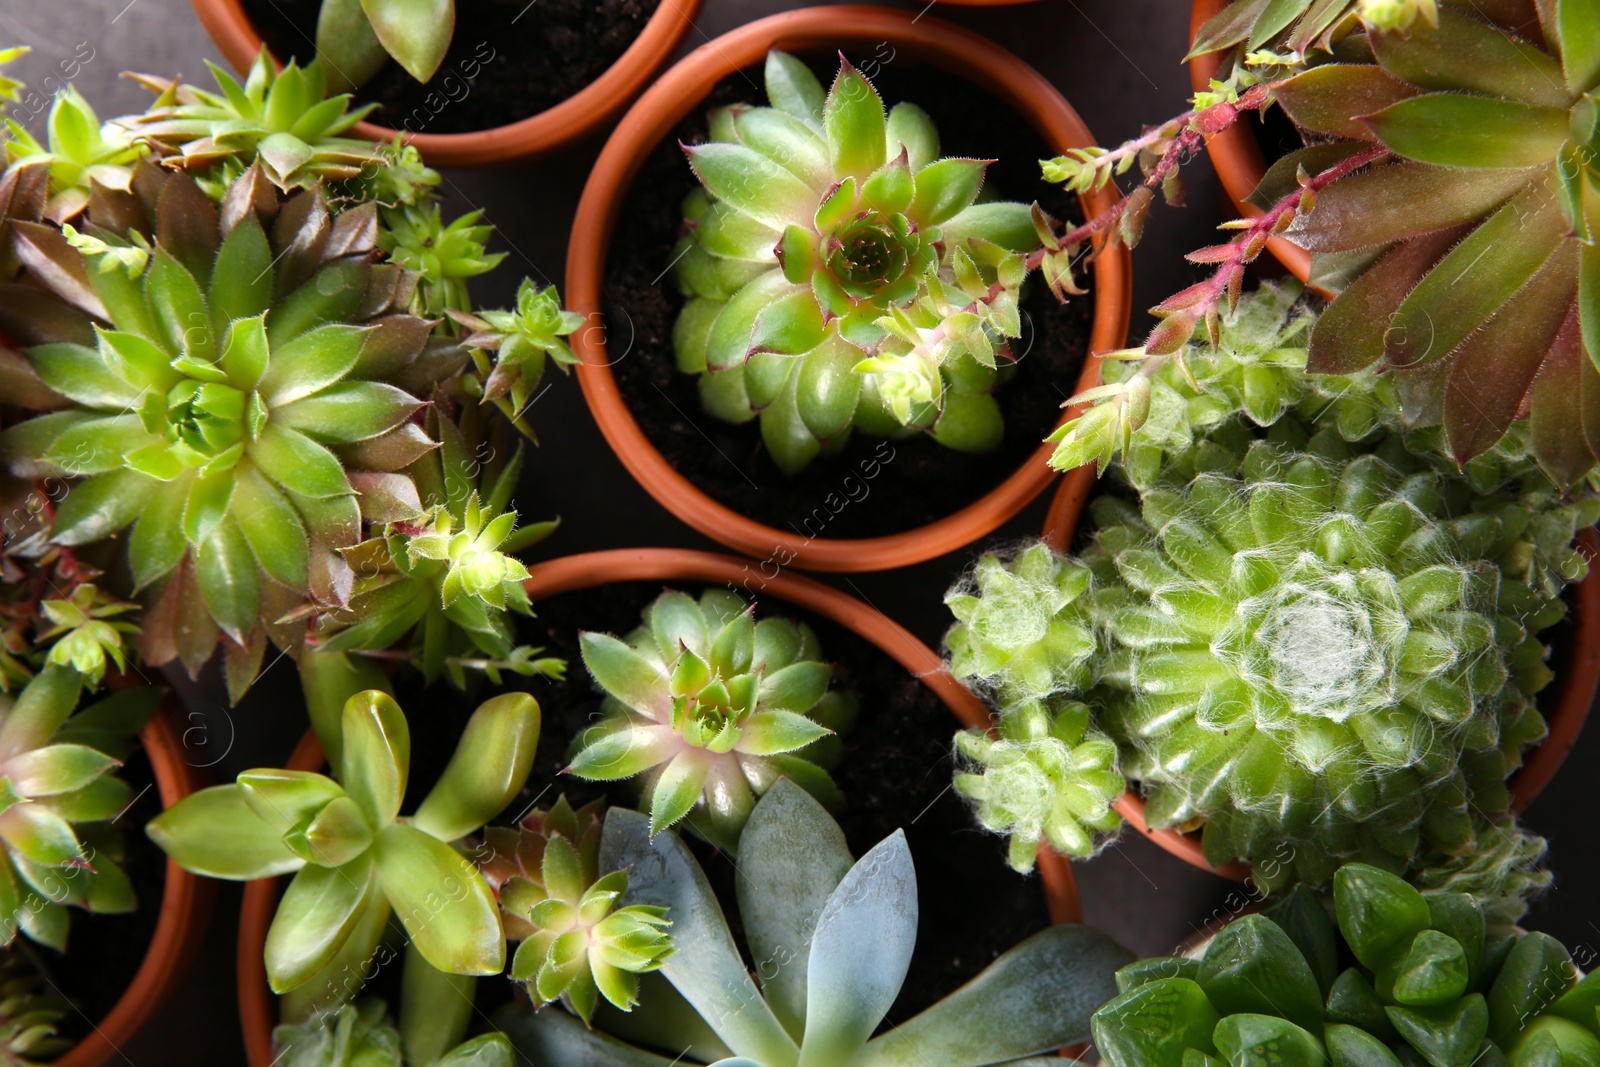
(911, 482)
(508, 60)
(894, 774)
(105, 951)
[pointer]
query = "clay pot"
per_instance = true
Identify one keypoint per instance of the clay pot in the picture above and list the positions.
(181, 925)
(1234, 152)
(1565, 702)
(257, 1012)
(681, 92)
(579, 114)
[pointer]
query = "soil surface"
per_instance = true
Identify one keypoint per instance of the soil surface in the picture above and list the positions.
(909, 482)
(508, 59)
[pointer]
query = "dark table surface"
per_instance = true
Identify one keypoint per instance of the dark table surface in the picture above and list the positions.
(1119, 63)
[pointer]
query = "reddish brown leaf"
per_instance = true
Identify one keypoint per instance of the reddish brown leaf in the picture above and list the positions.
(1348, 336)
(1402, 200)
(1327, 99)
(1556, 411)
(55, 264)
(186, 225)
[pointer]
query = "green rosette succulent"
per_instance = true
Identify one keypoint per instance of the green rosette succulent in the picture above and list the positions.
(59, 791)
(283, 119)
(442, 255)
(362, 1036)
(80, 150)
(356, 861)
(234, 387)
(841, 275)
(832, 938)
(510, 348)
(577, 944)
(29, 1016)
(441, 571)
(1313, 652)
(1430, 981)
(710, 707)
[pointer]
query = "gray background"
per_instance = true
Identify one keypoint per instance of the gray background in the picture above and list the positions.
(1120, 64)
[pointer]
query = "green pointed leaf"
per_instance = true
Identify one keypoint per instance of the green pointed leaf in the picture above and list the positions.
(1265, 1041)
(768, 733)
(1379, 913)
(624, 753)
(1252, 967)
(1399, 201)
(909, 127)
(853, 121)
(415, 32)
(100, 506)
(291, 459)
(1326, 98)
(490, 765)
(157, 543)
(444, 903)
(748, 181)
(79, 373)
(179, 308)
(376, 755)
(1579, 21)
(241, 282)
(1349, 1046)
(791, 324)
(677, 623)
(317, 913)
(215, 833)
(625, 674)
(38, 834)
(677, 788)
(285, 799)
(40, 710)
(945, 188)
(230, 579)
(245, 353)
(1536, 973)
(349, 411)
(1152, 1024)
(271, 527)
(1446, 1037)
(56, 769)
(792, 88)
(338, 834)
(310, 362)
(1450, 130)
(795, 688)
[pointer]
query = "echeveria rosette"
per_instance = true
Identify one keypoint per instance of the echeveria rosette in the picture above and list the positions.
(361, 1035)
(577, 944)
(1473, 282)
(710, 707)
(355, 859)
(80, 151)
(237, 391)
(833, 937)
(447, 578)
(509, 348)
(1431, 980)
(1308, 652)
(825, 230)
(58, 791)
(283, 119)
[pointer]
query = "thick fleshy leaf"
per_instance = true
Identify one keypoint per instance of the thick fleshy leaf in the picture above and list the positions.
(350, 411)
(41, 836)
(444, 903)
(728, 343)
(795, 688)
(828, 388)
(1580, 43)
(945, 188)
(415, 32)
(768, 733)
(1452, 130)
(100, 506)
(1463, 54)
(350, 51)
(624, 753)
(1252, 966)
(230, 579)
(157, 543)
(706, 968)
(1350, 333)
(677, 623)
(792, 88)
(625, 674)
(853, 120)
(791, 324)
(79, 373)
(1392, 203)
(1254, 1039)
(490, 765)
(793, 856)
(435, 1011)
(40, 709)
(1475, 279)
(555, 1037)
(271, 527)
(179, 308)
(294, 461)
(285, 799)
(860, 952)
(1326, 98)
(1556, 406)
(376, 754)
(678, 786)
(1379, 913)
(310, 363)
(215, 833)
(241, 284)
(318, 911)
(56, 769)
(790, 142)
(1537, 971)
(750, 182)
(1035, 998)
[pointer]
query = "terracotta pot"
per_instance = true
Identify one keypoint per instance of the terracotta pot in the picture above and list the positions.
(579, 114)
(679, 93)
(591, 569)
(181, 925)
(1565, 702)
(1234, 152)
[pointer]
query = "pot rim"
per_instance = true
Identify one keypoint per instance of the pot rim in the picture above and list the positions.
(186, 902)
(1234, 153)
(588, 570)
(679, 92)
(236, 38)
(1573, 692)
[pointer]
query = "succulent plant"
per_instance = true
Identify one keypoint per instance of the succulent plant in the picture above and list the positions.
(832, 940)
(442, 255)
(59, 789)
(577, 945)
(283, 119)
(520, 341)
(85, 632)
(441, 569)
(355, 860)
(236, 388)
(80, 151)
(840, 274)
(710, 708)
(10, 88)
(28, 1015)
(1431, 983)
(355, 39)
(362, 1036)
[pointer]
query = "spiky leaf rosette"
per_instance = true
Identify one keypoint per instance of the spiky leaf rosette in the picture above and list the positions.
(520, 342)
(1310, 652)
(1467, 261)
(80, 151)
(29, 1015)
(1047, 777)
(283, 118)
(235, 385)
(1431, 980)
(362, 1036)
(709, 708)
(58, 788)
(443, 255)
(840, 274)
(577, 945)
(441, 570)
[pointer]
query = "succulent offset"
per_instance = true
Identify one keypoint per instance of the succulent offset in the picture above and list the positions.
(833, 940)
(1430, 982)
(355, 860)
(577, 944)
(710, 708)
(443, 255)
(234, 386)
(841, 275)
(509, 348)
(80, 151)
